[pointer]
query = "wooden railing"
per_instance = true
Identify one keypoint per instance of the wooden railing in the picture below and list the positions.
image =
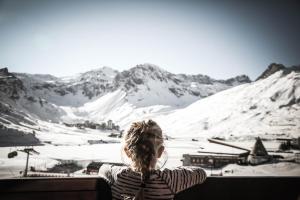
(214, 188)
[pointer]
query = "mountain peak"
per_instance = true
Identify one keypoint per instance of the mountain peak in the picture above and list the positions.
(148, 67)
(103, 70)
(140, 74)
(272, 68)
(4, 71)
(102, 73)
(239, 79)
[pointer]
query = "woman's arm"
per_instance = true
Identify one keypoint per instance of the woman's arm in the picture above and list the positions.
(105, 171)
(109, 172)
(184, 177)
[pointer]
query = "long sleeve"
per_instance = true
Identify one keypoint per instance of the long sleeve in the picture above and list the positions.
(109, 172)
(184, 177)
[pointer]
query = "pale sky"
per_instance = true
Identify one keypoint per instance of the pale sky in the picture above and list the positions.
(221, 39)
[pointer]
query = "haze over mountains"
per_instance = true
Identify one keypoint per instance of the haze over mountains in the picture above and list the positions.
(184, 105)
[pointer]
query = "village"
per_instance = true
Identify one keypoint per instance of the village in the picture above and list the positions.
(110, 125)
(288, 151)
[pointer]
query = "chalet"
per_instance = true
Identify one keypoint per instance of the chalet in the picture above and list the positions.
(212, 160)
(109, 124)
(258, 154)
(297, 157)
(295, 143)
(97, 142)
(289, 143)
(93, 167)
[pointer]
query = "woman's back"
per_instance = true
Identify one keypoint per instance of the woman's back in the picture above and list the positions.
(125, 183)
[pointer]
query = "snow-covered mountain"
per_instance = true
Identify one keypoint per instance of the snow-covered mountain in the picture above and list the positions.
(47, 97)
(148, 85)
(268, 107)
(144, 85)
(185, 105)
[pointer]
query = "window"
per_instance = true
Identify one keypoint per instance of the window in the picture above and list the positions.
(73, 80)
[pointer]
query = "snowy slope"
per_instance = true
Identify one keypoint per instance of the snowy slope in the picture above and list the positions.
(192, 106)
(268, 107)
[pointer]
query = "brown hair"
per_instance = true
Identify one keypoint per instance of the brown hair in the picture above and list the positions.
(141, 144)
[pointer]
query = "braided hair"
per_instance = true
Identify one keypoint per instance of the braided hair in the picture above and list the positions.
(141, 144)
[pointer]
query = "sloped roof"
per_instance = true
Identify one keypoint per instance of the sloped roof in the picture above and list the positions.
(258, 148)
(95, 165)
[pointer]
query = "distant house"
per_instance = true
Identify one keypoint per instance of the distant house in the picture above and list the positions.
(93, 167)
(109, 124)
(297, 157)
(295, 143)
(258, 153)
(98, 126)
(97, 142)
(211, 160)
(117, 127)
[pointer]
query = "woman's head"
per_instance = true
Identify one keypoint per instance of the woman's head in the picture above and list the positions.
(144, 144)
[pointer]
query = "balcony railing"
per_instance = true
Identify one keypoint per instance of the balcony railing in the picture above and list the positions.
(214, 188)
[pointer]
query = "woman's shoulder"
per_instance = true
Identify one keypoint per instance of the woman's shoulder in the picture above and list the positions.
(110, 172)
(112, 168)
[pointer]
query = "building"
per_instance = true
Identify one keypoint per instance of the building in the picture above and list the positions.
(295, 143)
(93, 167)
(258, 154)
(109, 124)
(213, 160)
(289, 143)
(297, 157)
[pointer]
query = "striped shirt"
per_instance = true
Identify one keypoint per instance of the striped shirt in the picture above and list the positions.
(162, 184)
